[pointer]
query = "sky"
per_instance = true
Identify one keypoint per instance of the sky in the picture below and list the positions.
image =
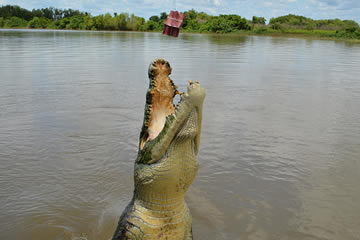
(316, 9)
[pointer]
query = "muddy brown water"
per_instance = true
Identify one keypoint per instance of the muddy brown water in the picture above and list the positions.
(280, 147)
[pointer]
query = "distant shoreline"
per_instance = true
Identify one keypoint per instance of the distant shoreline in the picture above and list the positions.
(304, 35)
(15, 17)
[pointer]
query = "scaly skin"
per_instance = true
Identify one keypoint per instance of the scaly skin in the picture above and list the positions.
(165, 167)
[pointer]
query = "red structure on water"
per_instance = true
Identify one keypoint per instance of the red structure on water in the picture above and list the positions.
(173, 23)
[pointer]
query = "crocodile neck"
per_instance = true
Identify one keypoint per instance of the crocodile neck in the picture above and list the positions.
(166, 189)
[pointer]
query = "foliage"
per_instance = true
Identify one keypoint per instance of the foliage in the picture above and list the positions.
(120, 21)
(294, 21)
(156, 23)
(151, 25)
(276, 26)
(258, 20)
(202, 22)
(61, 23)
(163, 16)
(38, 23)
(260, 30)
(9, 11)
(352, 33)
(227, 23)
(75, 23)
(51, 13)
(154, 18)
(136, 23)
(15, 22)
(2, 22)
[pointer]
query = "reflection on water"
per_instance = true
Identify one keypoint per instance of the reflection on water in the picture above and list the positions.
(280, 148)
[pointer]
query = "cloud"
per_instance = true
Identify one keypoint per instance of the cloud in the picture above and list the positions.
(217, 2)
(350, 5)
(340, 4)
(330, 2)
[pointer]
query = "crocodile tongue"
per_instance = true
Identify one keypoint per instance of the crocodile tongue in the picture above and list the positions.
(159, 100)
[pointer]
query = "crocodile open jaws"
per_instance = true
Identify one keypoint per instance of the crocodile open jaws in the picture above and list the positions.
(166, 164)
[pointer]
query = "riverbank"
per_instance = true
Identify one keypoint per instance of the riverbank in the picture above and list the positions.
(305, 34)
(302, 33)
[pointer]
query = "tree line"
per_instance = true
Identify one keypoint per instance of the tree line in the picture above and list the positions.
(301, 22)
(54, 18)
(323, 28)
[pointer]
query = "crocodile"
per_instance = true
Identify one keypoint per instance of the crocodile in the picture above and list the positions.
(166, 163)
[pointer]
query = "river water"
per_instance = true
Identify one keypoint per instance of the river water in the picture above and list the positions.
(280, 146)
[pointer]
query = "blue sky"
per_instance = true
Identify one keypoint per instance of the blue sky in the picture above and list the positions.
(316, 9)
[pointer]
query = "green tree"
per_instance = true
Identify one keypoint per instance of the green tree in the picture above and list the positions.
(58, 14)
(38, 23)
(294, 21)
(88, 23)
(9, 11)
(62, 23)
(192, 25)
(350, 23)
(154, 19)
(120, 21)
(195, 21)
(108, 22)
(258, 20)
(151, 25)
(99, 22)
(227, 23)
(163, 16)
(218, 24)
(67, 13)
(276, 26)
(2, 22)
(76, 22)
(48, 13)
(15, 22)
(136, 23)
(191, 14)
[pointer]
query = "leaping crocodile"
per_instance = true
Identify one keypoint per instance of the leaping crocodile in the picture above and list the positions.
(166, 163)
